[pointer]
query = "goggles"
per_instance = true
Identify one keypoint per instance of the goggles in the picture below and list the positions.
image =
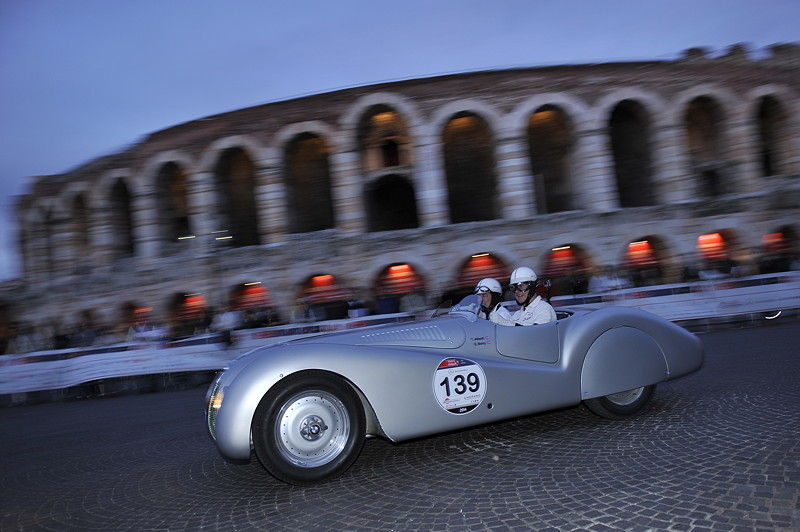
(482, 289)
(520, 287)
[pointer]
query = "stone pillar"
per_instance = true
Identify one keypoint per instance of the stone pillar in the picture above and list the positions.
(593, 165)
(671, 167)
(347, 192)
(271, 202)
(145, 222)
(742, 161)
(516, 197)
(431, 185)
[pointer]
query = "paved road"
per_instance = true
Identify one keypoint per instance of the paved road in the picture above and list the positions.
(718, 450)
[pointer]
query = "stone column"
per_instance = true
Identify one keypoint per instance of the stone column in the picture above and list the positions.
(516, 197)
(593, 169)
(347, 192)
(742, 154)
(271, 202)
(671, 166)
(430, 184)
(145, 222)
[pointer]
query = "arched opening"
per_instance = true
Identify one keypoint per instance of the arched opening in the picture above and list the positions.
(716, 255)
(236, 189)
(550, 143)
(705, 128)
(187, 314)
(391, 204)
(774, 137)
(644, 259)
(383, 139)
(122, 246)
(308, 184)
(778, 251)
(252, 299)
(630, 146)
(470, 168)
(399, 288)
(172, 203)
(568, 268)
(321, 298)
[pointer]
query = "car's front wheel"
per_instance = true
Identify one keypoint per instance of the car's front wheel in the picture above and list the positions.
(623, 404)
(309, 428)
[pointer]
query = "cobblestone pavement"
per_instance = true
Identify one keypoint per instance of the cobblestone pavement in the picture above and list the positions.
(718, 450)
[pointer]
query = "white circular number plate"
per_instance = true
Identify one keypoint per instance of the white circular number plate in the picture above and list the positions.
(459, 385)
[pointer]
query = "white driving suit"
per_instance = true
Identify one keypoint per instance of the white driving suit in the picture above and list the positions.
(537, 311)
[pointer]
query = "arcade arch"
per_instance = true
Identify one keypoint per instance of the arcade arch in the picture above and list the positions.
(469, 163)
(308, 183)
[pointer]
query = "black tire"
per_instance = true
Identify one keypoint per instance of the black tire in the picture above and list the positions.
(621, 405)
(309, 428)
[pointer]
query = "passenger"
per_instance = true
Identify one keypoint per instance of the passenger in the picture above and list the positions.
(490, 292)
(533, 309)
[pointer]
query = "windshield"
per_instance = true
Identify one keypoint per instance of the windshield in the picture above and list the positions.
(468, 307)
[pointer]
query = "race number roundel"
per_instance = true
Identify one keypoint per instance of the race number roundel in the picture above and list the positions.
(459, 385)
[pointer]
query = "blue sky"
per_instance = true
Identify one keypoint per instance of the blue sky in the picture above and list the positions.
(84, 78)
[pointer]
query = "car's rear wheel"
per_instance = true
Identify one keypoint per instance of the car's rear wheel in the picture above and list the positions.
(623, 404)
(309, 428)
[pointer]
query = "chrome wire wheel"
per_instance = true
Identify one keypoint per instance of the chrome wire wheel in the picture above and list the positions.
(312, 429)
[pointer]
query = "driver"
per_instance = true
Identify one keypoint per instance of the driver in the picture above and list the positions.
(490, 292)
(532, 308)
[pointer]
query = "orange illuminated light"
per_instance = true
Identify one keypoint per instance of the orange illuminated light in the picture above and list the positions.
(712, 246)
(641, 253)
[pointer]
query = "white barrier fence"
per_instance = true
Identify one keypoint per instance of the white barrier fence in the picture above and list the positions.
(53, 370)
(56, 369)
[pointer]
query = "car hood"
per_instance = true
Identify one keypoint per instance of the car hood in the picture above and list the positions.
(442, 333)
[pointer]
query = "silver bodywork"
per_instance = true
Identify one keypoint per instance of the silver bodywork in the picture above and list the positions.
(402, 372)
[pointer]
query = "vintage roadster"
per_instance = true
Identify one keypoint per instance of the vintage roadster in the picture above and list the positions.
(304, 407)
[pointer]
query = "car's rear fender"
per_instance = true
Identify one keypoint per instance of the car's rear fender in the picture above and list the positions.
(623, 348)
(621, 359)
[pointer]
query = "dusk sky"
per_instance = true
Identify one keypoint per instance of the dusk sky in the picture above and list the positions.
(81, 79)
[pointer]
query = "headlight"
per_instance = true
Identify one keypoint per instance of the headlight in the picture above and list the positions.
(212, 407)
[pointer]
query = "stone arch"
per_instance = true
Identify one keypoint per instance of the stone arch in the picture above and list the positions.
(469, 154)
(115, 193)
(405, 107)
(228, 168)
(120, 202)
(630, 126)
(550, 159)
(383, 139)
(490, 114)
(567, 266)
(308, 183)
(551, 140)
(74, 238)
(707, 114)
(315, 127)
(774, 109)
(579, 113)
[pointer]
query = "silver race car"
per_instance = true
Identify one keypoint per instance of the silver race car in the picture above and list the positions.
(305, 406)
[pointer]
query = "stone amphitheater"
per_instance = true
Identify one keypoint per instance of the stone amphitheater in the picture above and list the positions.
(370, 192)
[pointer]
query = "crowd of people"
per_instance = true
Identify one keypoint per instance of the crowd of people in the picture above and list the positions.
(524, 286)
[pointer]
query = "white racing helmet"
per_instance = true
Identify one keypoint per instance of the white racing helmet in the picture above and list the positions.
(488, 285)
(523, 274)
